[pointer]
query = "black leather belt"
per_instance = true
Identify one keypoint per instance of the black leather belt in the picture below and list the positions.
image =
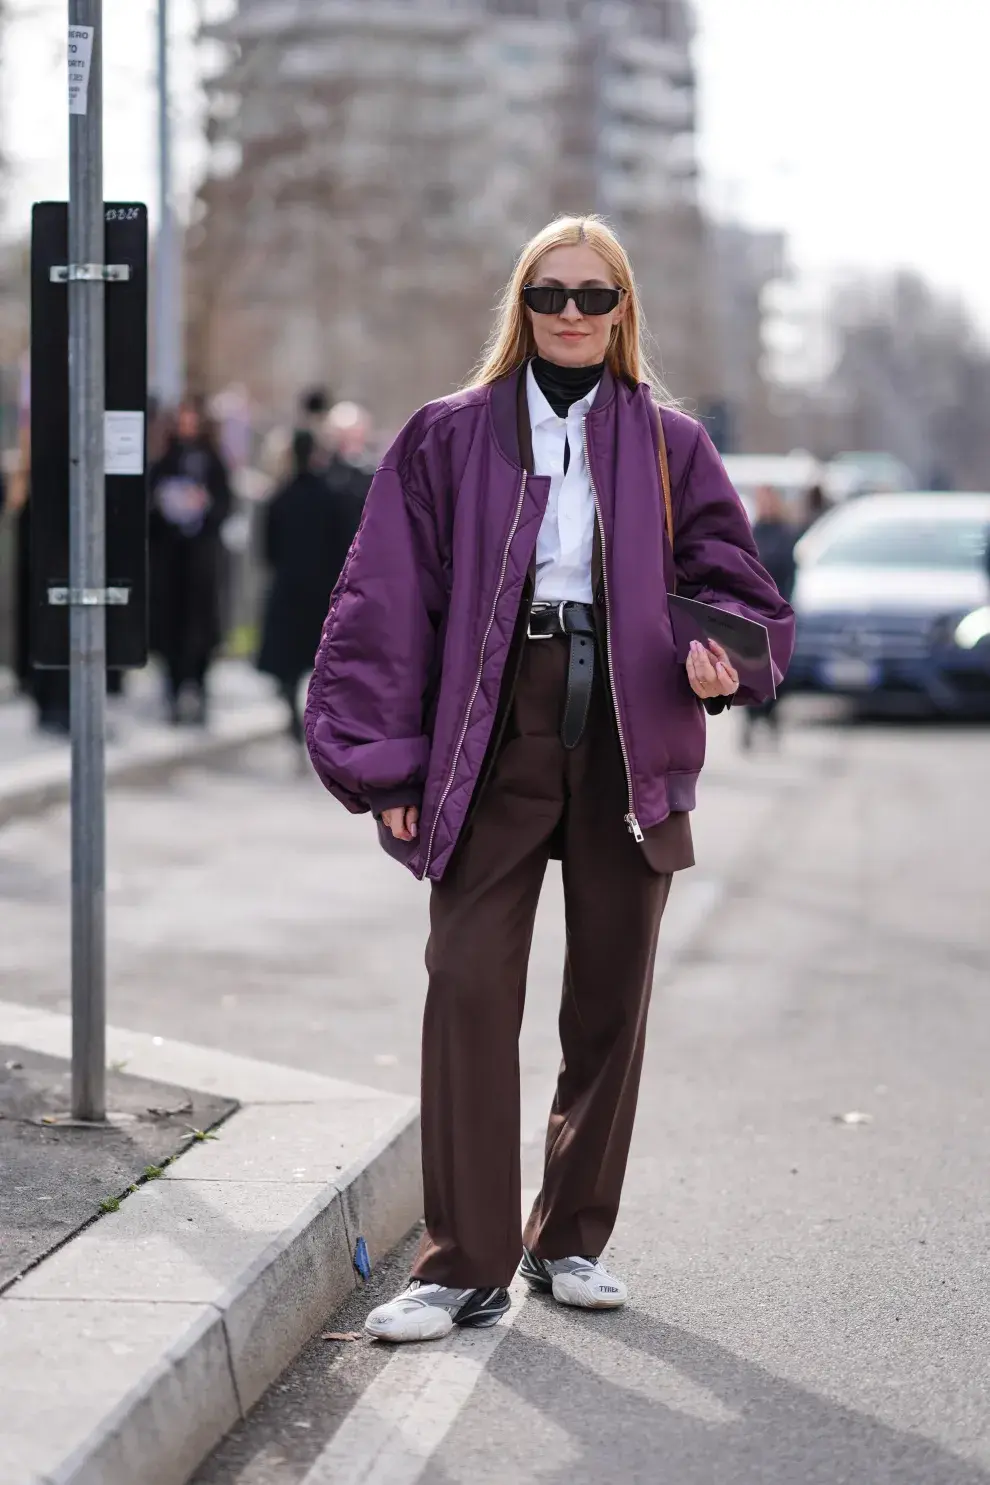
(577, 620)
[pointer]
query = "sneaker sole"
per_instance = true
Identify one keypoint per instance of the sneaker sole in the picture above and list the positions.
(538, 1286)
(394, 1338)
(481, 1322)
(473, 1322)
(436, 1325)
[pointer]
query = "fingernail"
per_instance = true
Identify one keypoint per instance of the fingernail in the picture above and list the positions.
(414, 831)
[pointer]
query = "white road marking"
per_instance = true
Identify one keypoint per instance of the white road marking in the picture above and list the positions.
(400, 1421)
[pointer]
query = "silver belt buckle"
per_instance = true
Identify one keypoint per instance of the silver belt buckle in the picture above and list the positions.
(543, 608)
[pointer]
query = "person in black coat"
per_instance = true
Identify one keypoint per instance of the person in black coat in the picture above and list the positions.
(309, 525)
(314, 405)
(816, 504)
(48, 689)
(775, 540)
(190, 500)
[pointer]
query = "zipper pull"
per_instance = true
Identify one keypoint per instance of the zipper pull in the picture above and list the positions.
(632, 825)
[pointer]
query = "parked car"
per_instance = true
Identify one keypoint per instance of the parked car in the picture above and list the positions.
(852, 474)
(893, 602)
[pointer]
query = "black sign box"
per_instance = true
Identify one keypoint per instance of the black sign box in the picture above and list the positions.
(126, 229)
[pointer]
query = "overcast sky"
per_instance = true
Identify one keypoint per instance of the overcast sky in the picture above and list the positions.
(859, 127)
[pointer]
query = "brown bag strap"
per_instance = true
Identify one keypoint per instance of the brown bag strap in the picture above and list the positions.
(665, 481)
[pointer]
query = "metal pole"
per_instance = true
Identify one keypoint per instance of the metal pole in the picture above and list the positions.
(87, 621)
(168, 377)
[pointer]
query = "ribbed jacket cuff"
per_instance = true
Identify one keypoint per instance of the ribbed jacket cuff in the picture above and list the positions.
(380, 800)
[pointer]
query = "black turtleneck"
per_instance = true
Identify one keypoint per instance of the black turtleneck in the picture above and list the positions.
(564, 385)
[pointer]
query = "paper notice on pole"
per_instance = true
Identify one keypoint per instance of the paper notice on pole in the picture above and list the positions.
(80, 54)
(123, 443)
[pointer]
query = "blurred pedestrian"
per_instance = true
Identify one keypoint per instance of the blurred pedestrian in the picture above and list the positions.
(312, 412)
(309, 525)
(190, 500)
(231, 414)
(816, 503)
(47, 689)
(347, 435)
(314, 405)
(497, 681)
(775, 539)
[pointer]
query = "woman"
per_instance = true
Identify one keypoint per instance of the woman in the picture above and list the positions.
(190, 500)
(309, 526)
(497, 681)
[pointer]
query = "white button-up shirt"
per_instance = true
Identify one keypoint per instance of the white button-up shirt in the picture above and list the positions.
(566, 540)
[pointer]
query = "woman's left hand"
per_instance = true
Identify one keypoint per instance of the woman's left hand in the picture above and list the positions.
(709, 671)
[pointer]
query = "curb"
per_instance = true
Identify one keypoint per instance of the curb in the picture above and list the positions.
(134, 1349)
(35, 785)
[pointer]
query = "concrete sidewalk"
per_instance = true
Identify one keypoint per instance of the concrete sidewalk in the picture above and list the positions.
(56, 1177)
(34, 768)
(130, 1351)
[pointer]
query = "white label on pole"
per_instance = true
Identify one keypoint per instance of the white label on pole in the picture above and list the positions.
(80, 52)
(123, 443)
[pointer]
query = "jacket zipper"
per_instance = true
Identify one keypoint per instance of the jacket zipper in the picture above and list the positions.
(631, 822)
(477, 680)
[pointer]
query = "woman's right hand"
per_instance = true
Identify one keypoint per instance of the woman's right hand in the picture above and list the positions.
(403, 821)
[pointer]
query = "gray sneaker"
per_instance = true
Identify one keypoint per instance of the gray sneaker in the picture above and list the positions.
(428, 1312)
(583, 1282)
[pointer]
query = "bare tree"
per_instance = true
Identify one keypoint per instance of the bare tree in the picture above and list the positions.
(340, 225)
(912, 378)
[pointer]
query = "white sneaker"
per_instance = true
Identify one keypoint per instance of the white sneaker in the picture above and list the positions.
(428, 1312)
(584, 1282)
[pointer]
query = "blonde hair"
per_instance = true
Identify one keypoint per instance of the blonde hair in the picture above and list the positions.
(511, 341)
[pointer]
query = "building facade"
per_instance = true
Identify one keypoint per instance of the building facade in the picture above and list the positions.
(375, 165)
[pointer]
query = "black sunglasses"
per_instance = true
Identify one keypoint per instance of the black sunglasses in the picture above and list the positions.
(544, 300)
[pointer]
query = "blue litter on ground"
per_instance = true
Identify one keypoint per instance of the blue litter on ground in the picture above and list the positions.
(361, 1260)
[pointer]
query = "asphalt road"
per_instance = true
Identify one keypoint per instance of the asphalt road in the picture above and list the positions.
(808, 1295)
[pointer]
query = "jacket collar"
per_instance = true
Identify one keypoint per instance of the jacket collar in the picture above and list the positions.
(509, 410)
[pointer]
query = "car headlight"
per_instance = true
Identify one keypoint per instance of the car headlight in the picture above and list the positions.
(973, 630)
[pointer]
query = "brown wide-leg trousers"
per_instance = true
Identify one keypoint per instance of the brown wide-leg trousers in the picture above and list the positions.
(482, 916)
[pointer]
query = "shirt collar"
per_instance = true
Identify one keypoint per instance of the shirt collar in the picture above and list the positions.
(541, 412)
